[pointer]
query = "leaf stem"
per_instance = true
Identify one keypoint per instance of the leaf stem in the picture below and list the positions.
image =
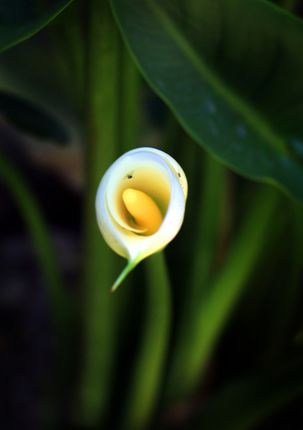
(285, 309)
(102, 140)
(151, 356)
(62, 309)
(208, 225)
(205, 327)
(44, 247)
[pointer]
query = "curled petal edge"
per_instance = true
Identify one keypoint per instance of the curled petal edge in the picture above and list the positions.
(154, 164)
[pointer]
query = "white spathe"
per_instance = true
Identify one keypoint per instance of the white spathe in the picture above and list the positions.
(160, 177)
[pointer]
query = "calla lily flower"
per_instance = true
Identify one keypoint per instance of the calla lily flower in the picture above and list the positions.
(140, 204)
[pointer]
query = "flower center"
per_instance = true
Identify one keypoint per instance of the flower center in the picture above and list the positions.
(143, 210)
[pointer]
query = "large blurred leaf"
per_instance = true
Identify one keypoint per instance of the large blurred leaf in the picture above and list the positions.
(21, 19)
(231, 71)
(47, 70)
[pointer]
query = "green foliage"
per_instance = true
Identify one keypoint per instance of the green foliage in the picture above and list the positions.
(19, 20)
(149, 365)
(208, 315)
(228, 289)
(43, 245)
(244, 404)
(222, 72)
(30, 118)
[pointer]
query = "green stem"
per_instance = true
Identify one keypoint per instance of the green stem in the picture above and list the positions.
(207, 234)
(285, 309)
(102, 143)
(68, 51)
(61, 307)
(208, 224)
(245, 404)
(151, 357)
(40, 236)
(125, 272)
(129, 102)
(206, 326)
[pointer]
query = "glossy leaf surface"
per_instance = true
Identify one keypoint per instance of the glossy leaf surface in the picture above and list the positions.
(231, 71)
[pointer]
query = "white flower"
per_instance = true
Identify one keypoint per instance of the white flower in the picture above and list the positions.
(140, 204)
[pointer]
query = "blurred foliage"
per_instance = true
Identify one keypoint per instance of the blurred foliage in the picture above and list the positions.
(20, 20)
(209, 334)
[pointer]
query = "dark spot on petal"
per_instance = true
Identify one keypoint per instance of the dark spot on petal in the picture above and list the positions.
(129, 175)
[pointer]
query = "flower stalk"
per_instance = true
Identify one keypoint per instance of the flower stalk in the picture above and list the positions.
(102, 146)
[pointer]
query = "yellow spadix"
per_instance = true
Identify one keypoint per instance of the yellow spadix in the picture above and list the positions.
(140, 204)
(143, 209)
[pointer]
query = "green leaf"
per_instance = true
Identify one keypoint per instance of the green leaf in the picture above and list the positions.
(231, 71)
(209, 318)
(32, 118)
(19, 20)
(30, 212)
(62, 307)
(48, 70)
(243, 404)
